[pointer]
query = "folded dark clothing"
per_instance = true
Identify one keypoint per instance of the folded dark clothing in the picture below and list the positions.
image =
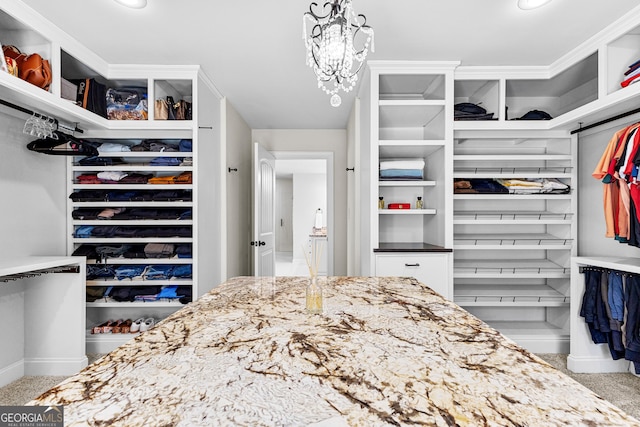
(182, 271)
(142, 146)
(163, 231)
(158, 272)
(121, 195)
(101, 161)
(129, 293)
(158, 146)
(85, 213)
(104, 231)
(111, 251)
(129, 271)
(86, 250)
(135, 178)
(100, 271)
(187, 293)
(487, 186)
(165, 161)
(88, 196)
(183, 250)
(83, 232)
(185, 145)
(95, 292)
(186, 214)
(142, 213)
(159, 250)
(488, 116)
(169, 195)
(135, 251)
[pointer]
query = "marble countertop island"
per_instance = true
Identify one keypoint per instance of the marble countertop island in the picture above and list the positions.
(386, 351)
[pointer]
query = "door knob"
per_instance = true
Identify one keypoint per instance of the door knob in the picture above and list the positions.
(258, 243)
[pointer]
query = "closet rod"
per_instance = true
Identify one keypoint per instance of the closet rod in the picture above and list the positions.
(31, 113)
(604, 121)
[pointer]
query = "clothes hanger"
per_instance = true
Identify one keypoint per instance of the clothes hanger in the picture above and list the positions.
(63, 144)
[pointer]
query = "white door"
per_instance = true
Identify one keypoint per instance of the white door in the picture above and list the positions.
(264, 186)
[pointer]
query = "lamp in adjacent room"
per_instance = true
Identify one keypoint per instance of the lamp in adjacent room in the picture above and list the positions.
(134, 4)
(337, 42)
(531, 4)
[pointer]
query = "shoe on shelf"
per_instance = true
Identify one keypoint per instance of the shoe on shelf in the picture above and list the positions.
(147, 324)
(135, 326)
(126, 326)
(117, 327)
(98, 329)
(106, 329)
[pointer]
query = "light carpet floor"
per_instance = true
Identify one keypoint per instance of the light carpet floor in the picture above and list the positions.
(621, 389)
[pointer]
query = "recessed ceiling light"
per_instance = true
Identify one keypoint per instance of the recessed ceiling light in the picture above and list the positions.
(531, 4)
(135, 4)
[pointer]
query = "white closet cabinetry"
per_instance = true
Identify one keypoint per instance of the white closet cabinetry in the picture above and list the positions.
(70, 60)
(411, 119)
(512, 251)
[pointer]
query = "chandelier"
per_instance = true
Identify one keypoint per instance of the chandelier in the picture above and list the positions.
(337, 42)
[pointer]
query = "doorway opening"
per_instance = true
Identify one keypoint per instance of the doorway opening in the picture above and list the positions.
(304, 212)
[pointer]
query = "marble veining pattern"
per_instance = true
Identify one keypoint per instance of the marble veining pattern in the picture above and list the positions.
(386, 352)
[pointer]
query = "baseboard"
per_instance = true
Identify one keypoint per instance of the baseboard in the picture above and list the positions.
(594, 365)
(54, 366)
(11, 373)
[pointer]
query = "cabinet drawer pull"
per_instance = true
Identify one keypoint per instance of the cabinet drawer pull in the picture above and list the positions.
(411, 265)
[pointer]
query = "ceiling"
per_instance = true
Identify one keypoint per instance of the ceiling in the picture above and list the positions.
(253, 50)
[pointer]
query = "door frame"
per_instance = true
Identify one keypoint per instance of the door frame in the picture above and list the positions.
(319, 155)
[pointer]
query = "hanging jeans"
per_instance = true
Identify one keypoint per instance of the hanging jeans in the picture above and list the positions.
(592, 311)
(632, 330)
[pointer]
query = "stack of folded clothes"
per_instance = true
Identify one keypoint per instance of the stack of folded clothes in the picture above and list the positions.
(159, 250)
(478, 185)
(102, 231)
(632, 74)
(510, 186)
(402, 170)
(130, 196)
(535, 186)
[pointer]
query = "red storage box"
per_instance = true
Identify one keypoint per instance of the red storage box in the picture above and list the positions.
(399, 205)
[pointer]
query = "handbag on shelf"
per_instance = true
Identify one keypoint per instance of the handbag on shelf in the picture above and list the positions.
(171, 106)
(30, 68)
(183, 110)
(161, 109)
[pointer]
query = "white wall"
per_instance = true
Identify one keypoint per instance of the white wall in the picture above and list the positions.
(309, 194)
(333, 140)
(33, 194)
(238, 198)
(209, 189)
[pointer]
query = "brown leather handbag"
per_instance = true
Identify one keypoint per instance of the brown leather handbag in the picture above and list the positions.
(36, 71)
(31, 68)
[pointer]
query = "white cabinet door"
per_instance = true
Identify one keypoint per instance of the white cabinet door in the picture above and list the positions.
(432, 269)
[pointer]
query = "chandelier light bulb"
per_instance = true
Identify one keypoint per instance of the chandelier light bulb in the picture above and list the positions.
(134, 4)
(531, 4)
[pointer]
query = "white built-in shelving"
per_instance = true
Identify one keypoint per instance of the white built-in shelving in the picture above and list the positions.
(512, 251)
(71, 61)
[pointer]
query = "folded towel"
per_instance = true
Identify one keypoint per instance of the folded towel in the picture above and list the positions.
(401, 174)
(402, 164)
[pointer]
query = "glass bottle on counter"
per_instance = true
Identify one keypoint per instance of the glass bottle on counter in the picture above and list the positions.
(314, 301)
(419, 203)
(380, 202)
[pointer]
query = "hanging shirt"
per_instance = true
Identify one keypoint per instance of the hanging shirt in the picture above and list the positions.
(610, 192)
